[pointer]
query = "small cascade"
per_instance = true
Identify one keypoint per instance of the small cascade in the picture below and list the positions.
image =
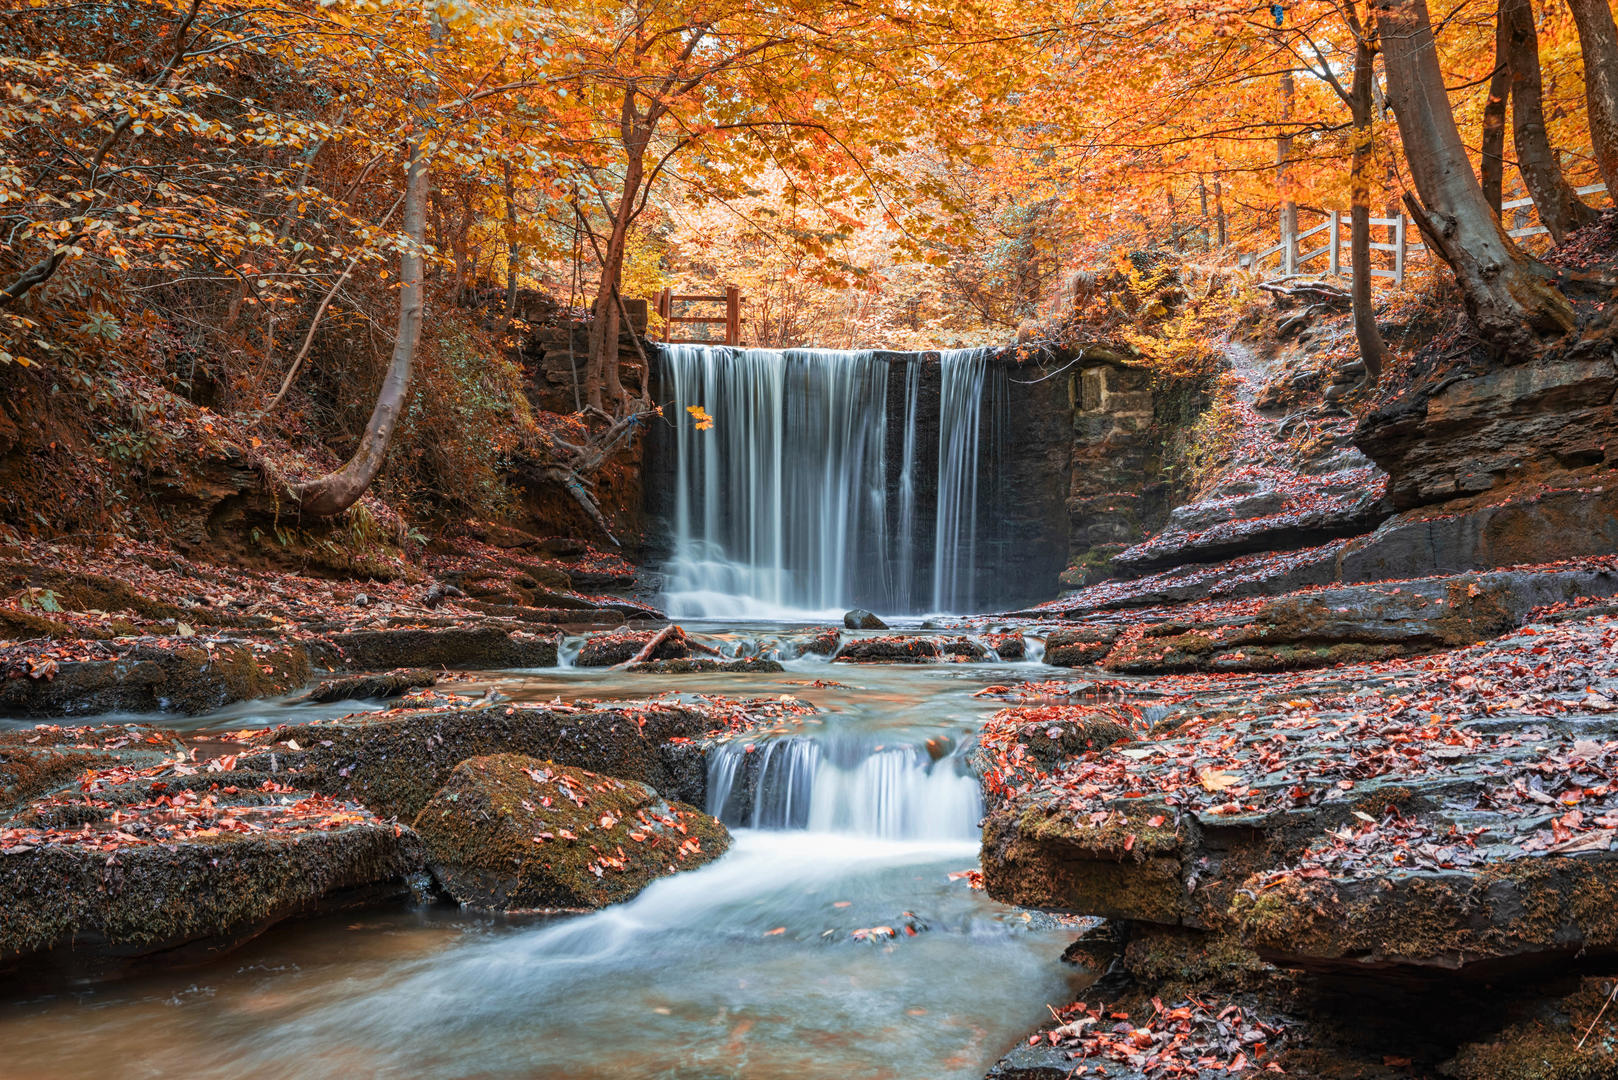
(799, 502)
(888, 792)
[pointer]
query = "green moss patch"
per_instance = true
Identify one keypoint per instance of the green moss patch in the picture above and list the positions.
(508, 832)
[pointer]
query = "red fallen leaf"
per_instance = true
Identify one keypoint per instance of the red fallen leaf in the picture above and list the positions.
(1156, 820)
(1129, 842)
(566, 834)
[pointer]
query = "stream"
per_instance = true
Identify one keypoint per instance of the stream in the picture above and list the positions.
(750, 966)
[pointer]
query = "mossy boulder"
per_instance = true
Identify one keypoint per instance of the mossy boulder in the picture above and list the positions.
(513, 833)
(898, 649)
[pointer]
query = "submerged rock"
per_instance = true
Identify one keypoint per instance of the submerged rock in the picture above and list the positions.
(860, 619)
(513, 833)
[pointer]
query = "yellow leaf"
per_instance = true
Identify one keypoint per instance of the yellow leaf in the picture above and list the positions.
(1215, 780)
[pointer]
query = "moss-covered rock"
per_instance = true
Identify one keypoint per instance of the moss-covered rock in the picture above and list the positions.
(1080, 647)
(35, 761)
(512, 833)
(1571, 1038)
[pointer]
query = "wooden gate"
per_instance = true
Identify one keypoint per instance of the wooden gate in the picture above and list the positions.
(731, 320)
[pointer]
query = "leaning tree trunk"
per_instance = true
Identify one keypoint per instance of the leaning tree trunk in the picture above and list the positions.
(1372, 350)
(1505, 291)
(604, 321)
(1493, 165)
(1559, 206)
(337, 491)
(1598, 40)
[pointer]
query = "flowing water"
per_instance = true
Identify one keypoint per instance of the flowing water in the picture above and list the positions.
(806, 498)
(749, 967)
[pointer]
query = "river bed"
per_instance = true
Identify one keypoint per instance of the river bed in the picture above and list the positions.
(772, 962)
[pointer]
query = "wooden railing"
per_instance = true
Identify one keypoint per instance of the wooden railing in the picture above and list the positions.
(731, 319)
(1401, 241)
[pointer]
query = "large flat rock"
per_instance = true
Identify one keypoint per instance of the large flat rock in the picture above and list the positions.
(1411, 815)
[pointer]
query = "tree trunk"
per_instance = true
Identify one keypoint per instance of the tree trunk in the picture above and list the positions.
(1493, 166)
(511, 242)
(604, 322)
(1505, 291)
(1283, 182)
(1560, 209)
(337, 491)
(1361, 104)
(1598, 40)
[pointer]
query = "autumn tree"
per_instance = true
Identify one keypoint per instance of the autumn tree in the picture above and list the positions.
(1560, 208)
(1504, 290)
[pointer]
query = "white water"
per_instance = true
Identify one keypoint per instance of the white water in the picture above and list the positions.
(783, 509)
(892, 792)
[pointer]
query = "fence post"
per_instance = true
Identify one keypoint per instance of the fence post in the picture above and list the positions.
(1399, 249)
(733, 315)
(665, 308)
(1335, 241)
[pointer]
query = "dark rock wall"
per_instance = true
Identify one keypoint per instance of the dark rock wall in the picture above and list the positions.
(1116, 494)
(1468, 435)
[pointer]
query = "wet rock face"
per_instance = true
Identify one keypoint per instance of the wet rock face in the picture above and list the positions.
(1572, 519)
(1485, 430)
(860, 619)
(1115, 494)
(512, 833)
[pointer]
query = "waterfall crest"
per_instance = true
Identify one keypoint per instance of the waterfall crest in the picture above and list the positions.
(801, 503)
(890, 792)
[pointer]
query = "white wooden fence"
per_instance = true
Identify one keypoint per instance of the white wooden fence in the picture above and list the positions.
(1403, 241)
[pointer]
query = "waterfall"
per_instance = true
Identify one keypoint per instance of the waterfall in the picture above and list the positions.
(956, 529)
(789, 506)
(891, 792)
